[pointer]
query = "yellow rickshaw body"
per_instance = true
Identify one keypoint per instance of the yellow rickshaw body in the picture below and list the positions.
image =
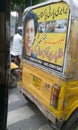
(53, 84)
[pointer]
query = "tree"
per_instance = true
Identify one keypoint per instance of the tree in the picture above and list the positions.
(20, 5)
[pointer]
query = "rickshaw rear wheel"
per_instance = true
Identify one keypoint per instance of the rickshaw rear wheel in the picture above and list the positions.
(72, 122)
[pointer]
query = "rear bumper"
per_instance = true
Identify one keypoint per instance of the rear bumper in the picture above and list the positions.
(54, 122)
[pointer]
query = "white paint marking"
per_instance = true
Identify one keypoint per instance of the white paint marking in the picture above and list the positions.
(45, 127)
(19, 114)
(13, 98)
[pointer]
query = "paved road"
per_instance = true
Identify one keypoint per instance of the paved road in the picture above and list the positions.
(24, 116)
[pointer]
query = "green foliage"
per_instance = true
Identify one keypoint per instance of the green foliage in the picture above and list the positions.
(17, 3)
(22, 4)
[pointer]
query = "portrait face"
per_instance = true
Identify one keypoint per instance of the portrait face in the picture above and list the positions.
(29, 33)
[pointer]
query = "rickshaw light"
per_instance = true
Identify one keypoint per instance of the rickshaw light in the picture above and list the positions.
(55, 95)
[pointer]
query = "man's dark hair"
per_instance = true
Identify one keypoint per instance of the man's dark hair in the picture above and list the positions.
(19, 31)
(30, 15)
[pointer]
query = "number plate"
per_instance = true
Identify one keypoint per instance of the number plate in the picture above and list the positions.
(36, 81)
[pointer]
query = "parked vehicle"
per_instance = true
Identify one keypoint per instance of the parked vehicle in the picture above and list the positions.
(49, 75)
(14, 75)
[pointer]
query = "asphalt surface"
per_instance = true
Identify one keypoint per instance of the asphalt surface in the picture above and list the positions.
(23, 115)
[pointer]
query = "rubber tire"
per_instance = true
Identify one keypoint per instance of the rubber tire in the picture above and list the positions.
(13, 80)
(72, 123)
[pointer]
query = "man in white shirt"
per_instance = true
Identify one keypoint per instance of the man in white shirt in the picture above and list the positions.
(16, 48)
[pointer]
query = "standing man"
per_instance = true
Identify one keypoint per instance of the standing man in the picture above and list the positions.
(16, 49)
